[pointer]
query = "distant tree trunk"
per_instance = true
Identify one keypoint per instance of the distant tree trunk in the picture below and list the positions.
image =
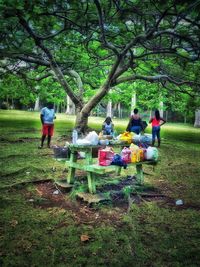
(133, 102)
(119, 110)
(185, 118)
(197, 119)
(70, 106)
(114, 110)
(37, 104)
(12, 105)
(109, 109)
(166, 115)
(161, 109)
(150, 114)
(58, 108)
(7, 101)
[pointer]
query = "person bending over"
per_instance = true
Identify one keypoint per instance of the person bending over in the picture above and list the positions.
(135, 123)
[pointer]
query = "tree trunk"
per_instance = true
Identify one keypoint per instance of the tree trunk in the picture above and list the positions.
(37, 104)
(81, 123)
(133, 102)
(70, 106)
(109, 109)
(83, 110)
(197, 119)
(119, 110)
(166, 115)
(185, 118)
(161, 109)
(58, 108)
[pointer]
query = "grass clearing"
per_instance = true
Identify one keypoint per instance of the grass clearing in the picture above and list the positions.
(38, 231)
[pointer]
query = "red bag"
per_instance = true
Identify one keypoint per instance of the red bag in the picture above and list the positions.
(126, 155)
(105, 156)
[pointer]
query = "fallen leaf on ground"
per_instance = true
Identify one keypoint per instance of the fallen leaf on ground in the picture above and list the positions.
(85, 238)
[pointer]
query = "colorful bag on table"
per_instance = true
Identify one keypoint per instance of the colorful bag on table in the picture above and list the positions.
(126, 137)
(151, 153)
(142, 138)
(146, 139)
(142, 153)
(117, 160)
(126, 154)
(135, 153)
(105, 156)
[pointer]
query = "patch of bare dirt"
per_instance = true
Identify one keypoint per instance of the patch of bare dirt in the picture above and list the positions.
(81, 213)
(87, 214)
(52, 196)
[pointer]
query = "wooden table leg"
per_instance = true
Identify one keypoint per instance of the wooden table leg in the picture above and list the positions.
(139, 174)
(118, 170)
(91, 182)
(90, 175)
(71, 173)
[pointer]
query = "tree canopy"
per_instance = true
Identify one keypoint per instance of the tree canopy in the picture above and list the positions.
(98, 45)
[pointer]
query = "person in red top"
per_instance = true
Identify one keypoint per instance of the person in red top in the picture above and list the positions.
(156, 122)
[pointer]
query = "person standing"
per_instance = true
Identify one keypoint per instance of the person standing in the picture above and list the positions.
(108, 126)
(156, 123)
(135, 123)
(47, 117)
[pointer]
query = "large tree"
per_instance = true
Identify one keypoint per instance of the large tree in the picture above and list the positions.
(100, 44)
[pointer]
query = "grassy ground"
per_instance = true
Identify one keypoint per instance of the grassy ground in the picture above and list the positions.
(38, 231)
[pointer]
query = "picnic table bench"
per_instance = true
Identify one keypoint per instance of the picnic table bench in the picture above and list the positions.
(93, 168)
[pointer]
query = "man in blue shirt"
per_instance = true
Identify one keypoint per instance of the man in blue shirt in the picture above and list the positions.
(47, 116)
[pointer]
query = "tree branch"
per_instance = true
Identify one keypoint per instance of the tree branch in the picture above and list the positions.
(156, 78)
(53, 63)
(101, 24)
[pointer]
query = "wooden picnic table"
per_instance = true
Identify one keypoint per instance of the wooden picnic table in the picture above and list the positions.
(92, 168)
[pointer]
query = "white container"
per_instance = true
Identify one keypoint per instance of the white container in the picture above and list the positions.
(74, 136)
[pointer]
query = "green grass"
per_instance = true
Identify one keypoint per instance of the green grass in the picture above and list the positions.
(39, 233)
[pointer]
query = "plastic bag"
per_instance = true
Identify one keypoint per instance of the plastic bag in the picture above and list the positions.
(83, 142)
(126, 154)
(151, 153)
(105, 156)
(145, 139)
(142, 152)
(104, 142)
(126, 137)
(117, 160)
(135, 153)
(93, 138)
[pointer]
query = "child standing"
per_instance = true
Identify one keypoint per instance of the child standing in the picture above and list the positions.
(156, 122)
